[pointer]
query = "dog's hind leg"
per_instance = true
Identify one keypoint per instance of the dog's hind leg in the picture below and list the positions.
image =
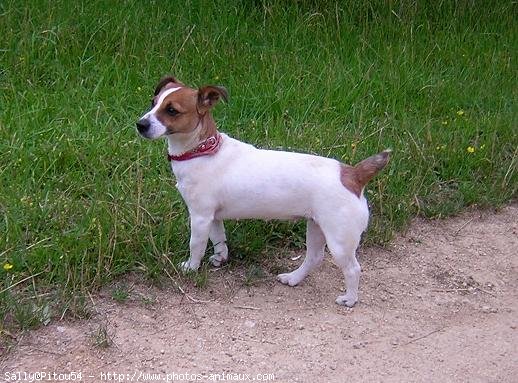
(219, 241)
(315, 244)
(343, 249)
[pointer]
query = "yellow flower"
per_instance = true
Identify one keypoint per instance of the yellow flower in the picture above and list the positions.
(470, 149)
(139, 88)
(460, 112)
(216, 78)
(7, 266)
(445, 122)
(353, 145)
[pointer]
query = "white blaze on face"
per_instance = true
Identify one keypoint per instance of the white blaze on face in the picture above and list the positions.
(156, 128)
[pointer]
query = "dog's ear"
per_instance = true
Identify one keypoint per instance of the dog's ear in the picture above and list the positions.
(209, 95)
(164, 81)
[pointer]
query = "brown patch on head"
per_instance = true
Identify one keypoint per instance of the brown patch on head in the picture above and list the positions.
(182, 110)
(178, 111)
(167, 82)
(354, 178)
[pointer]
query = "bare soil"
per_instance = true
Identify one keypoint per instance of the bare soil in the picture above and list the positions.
(437, 305)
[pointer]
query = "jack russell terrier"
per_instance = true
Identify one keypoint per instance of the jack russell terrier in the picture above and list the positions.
(221, 178)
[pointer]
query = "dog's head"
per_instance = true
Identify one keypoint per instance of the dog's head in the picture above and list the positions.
(176, 108)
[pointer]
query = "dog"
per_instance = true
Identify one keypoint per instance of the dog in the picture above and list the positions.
(222, 178)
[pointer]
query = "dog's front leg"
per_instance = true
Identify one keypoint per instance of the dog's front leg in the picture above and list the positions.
(200, 228)
(219, 241)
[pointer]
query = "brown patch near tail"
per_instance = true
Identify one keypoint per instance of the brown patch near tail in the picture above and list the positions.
(354, 178)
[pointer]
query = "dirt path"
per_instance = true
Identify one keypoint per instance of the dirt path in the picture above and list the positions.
(439, 305)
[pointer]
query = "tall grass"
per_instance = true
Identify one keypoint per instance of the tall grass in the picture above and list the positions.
(84, 200)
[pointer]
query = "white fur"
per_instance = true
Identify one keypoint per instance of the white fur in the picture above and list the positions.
(241, 181)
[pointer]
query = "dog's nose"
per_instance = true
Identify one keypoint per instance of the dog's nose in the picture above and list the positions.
(143, 125)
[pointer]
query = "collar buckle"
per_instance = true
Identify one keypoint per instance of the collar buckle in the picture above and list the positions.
(208, 147)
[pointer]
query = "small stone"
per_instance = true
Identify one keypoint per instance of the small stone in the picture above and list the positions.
(301, 327)
(162, 352)
(394, 342)
(411, 335)
(486, 309)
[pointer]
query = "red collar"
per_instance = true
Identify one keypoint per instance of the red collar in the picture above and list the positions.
(209, 146)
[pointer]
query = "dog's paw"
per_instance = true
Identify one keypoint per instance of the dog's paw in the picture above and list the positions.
(290, 279)
(346, 300)
(188, 266)
(218, 259)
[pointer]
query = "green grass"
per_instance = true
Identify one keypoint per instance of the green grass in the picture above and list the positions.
(83, 200)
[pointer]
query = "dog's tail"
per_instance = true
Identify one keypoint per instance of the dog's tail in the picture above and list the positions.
(369, 167)
(356, 177)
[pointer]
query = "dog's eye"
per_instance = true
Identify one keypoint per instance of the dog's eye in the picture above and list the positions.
(172, 111)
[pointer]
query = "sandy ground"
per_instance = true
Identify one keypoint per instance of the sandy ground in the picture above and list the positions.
(438, 305)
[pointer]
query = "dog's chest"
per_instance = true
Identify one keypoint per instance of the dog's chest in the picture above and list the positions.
(189, 182)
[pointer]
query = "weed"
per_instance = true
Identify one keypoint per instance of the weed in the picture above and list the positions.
(120, 292)
(254, 273)
(148, 301)
(101, 337)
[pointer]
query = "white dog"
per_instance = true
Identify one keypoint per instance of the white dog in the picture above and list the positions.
(222, 178)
